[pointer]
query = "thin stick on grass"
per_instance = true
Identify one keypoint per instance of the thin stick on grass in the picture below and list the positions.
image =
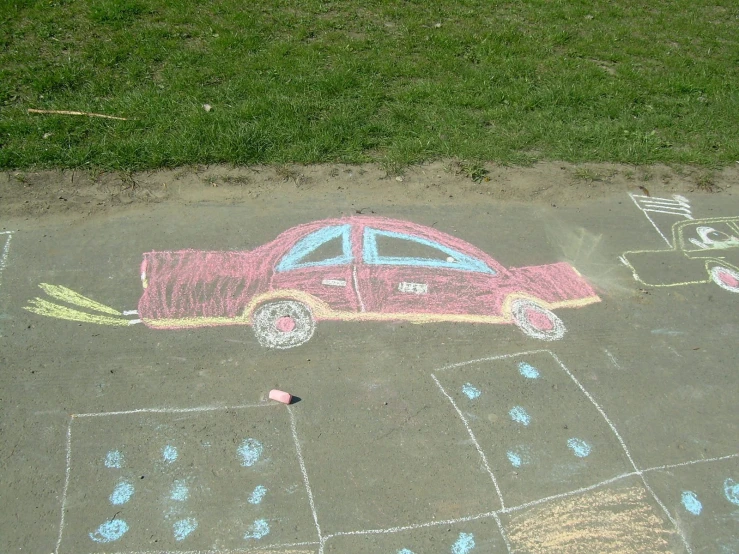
(65, 112)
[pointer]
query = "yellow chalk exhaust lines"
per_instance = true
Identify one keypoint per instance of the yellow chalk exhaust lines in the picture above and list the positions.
(50, 309)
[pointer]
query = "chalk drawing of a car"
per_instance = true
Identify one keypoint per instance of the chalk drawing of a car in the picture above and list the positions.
(704, 251)
(360, 268)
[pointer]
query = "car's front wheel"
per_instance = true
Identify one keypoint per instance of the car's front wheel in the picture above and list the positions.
(283, 324)
(725, 278)
(536, 321)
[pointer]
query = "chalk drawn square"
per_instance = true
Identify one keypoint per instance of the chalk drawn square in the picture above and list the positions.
(704, 498)
(217, 479)
(481, 535)
(540, 433)
(390, 455)
(621, 518)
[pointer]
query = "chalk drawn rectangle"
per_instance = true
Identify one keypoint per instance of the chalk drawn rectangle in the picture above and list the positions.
(183, 480)
(413, 288)
(704, 498)
(616, 518)
(540, 433)
(334, 282)
(390, 455)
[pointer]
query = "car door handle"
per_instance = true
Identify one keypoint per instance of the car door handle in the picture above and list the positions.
(334, 282)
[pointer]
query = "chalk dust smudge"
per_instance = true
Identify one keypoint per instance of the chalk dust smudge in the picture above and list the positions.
(610, 521)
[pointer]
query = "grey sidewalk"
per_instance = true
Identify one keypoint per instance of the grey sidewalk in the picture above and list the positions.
(409, 437)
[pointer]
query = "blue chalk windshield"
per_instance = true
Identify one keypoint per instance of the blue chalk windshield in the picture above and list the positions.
(327, 246)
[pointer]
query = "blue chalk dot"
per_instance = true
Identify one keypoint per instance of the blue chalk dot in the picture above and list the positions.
(470, 391)
(519, 415)
(169, 454)
(465, 543)
(528, 371)
(257, 494)
(514, 458)
(731, 490)
(257, 530)
(114, 459)
(691, 503)
(405, 551)
(183, 528)
(122, 493)
(250, 451)
(110, 531)
(579, 447)
(180, 492)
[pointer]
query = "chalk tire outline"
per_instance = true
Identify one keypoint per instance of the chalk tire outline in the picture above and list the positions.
(716, 270)
(519, 311)
(266, 316)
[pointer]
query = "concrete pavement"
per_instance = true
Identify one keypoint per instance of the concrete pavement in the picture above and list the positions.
(410, 435)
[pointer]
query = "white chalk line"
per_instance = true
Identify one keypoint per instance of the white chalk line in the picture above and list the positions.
(664, 203)
(612, 358)
(675, 198)
(4, 255)
(474, 440)
(411, 527)
(304, 471)
(691, 463)
(669, 204)
(682, 213)
(650, 220)
(496, 517)
(254, 550)
(177, 410)
(66, 485)
(357, 290)
(492, 358)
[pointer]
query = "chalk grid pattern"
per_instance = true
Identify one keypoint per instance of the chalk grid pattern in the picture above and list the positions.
(133, 479)
(586, 445)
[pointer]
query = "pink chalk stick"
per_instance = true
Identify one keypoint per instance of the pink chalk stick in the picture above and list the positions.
(280, 396)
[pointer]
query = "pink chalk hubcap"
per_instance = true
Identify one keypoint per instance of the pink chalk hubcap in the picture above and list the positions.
(539, 320)
(285, 324)
(727, 278)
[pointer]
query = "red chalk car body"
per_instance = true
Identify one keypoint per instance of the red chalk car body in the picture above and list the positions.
(359, 268)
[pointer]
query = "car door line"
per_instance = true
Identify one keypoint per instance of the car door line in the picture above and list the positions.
(357, 290)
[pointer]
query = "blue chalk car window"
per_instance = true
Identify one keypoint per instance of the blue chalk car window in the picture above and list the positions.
(327, 246)
(390, 248)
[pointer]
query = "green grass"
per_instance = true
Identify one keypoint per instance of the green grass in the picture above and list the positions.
(631, 81)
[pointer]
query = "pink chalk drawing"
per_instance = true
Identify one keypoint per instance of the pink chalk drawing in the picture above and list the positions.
(360, 268)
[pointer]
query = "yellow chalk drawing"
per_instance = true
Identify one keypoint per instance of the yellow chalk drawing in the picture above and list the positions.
(68, 295)
(700, 246)
(44, 307)
(609, 521)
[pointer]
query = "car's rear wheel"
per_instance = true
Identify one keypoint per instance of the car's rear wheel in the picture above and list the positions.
(283, 324)
(725, 278)
(536, 321)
